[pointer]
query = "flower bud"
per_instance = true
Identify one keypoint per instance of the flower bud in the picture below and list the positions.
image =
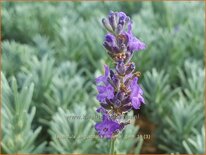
(120, 95)
(109, 43)
(130, 68)
(120, 68)
(119, 29)
(114, 80)
(126, 108)
(128, 56)
(112, 20)
(106, 106)
(106, 24)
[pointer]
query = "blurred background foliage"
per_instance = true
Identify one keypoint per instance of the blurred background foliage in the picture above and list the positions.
(52, 52)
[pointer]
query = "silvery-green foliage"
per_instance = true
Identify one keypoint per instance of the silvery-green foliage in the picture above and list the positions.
(186, 24)
(180, 123)
(175, 110)
(196, 144)
(157, 98)
(129, 141)
(17, 116)
(87, 11)
(161, 13)
(40, 72)
(167, 45)
(15, 56)
(43, 46)
(192, 80)
(27, 20)
(71, 134)
(67, 89)
(182, 120)
(65, 84)
(70, 47)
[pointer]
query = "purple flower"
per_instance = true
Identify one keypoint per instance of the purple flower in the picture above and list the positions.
(101, 110)
(122, 17)
(118, 21)
(136, 94)
(120, 68)
(122, 43)
(130, 68)
(118, 90)
(135, 44)
(105, 92)
(104, 78)
(107, 128)
(110, 43)
(105, 89)
(131, 42)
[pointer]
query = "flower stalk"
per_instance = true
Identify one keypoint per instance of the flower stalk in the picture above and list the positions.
(112, 146)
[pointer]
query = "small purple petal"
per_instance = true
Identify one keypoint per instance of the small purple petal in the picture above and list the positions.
(100, 79)
(107, 128)
(101, 97)
(120, 68)
(101, 89)
(107, 71)
(136, 94)
(105, 92)
(136, 103)
(136, 45)
(103, 78)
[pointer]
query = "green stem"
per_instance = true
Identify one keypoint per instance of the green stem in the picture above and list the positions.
(112, 146)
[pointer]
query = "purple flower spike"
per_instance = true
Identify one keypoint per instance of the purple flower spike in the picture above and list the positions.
(118, 89)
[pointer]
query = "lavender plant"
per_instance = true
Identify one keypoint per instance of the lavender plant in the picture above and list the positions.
(118, 89)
